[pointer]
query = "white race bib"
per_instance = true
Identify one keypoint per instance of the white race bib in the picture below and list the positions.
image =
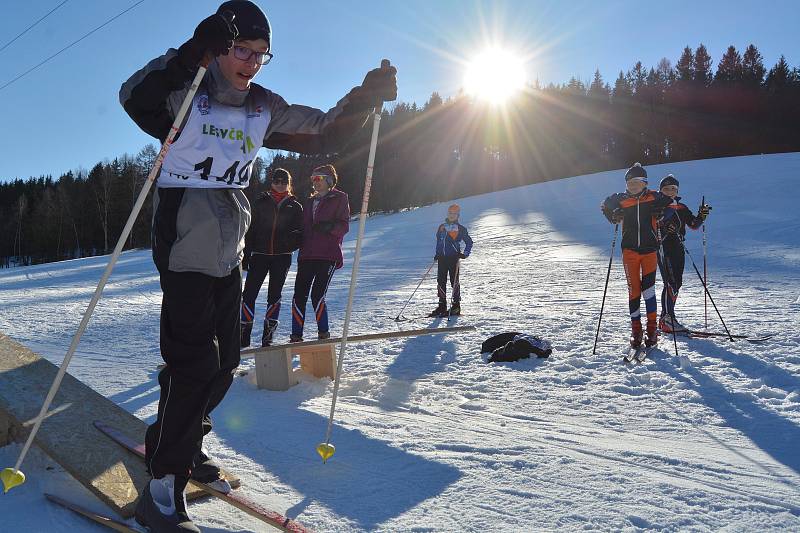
(217, 146)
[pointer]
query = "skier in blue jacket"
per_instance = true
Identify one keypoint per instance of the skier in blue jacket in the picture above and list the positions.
(449, 237)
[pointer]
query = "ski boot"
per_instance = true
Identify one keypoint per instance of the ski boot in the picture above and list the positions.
(440, 311)
(669, 325)
(322, 335)
(295, 338)
(206, 470)
(651, 339)
(247, 329)
(455, 309)
(636, 334)
(269, 330)
(162, 506)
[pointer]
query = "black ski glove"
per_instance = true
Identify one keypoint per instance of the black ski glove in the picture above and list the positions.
(324, 227)
(380, 85)
(462, 256)
(214, 35)
(703, 211)
(437, 257)
(245, 261)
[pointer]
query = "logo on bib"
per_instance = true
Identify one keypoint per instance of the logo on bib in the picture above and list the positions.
(202, 104)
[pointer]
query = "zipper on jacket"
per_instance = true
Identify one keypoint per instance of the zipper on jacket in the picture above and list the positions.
(275, 226)
(638, 223)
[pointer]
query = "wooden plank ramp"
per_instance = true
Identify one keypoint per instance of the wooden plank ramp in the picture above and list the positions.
(67, 434)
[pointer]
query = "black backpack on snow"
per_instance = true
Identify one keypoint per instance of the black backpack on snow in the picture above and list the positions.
(513, 346)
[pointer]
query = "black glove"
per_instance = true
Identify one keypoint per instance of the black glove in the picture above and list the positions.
(462, 256)
(380, 84)
(703, 211)
(324, 227)
(617, 215)
(214, 35)
(245, 262)
(436, 257)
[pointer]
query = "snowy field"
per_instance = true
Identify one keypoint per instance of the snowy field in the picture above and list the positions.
(431, 438)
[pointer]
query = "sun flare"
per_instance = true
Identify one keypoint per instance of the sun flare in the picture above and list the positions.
(494, 76)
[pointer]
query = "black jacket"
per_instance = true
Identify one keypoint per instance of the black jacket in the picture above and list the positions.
(676, 219)
(275, 228)
(639, 217)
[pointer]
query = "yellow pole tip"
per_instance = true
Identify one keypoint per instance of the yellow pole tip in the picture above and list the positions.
(326, 451)
(11, 478)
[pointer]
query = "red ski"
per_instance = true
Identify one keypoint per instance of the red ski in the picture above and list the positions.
(242, 503)
(91, 515)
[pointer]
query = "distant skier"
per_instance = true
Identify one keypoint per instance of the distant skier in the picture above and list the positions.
(637, 210)
(449, 237)
(275, 232)
(677, 217)
(200, 217)
(326, 220)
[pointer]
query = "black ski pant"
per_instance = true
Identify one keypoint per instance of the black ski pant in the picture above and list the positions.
(200, 333)
(448, 265)
(671, 267)
(261, 265)
(313, 275)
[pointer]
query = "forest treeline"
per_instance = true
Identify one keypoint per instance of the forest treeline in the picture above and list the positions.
(458, 147)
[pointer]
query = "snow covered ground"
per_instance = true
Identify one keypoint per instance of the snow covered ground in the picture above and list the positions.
(431, 438)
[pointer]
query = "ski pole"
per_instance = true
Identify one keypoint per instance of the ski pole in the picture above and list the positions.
(705, 270)
(669, 282)
(11, 477)
(326, 449)
(608, 275)
(425, 275)
(707, 292)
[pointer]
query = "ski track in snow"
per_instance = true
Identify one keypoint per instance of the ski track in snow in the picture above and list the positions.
(431, 438)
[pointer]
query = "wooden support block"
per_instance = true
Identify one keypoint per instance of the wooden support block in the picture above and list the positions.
(67, 434)
(274, 370)
(318, 358)
(319, 361)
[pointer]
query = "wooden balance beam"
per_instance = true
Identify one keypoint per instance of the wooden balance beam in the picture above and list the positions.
(274, 363)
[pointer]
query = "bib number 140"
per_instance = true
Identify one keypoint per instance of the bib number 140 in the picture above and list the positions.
(230, 176)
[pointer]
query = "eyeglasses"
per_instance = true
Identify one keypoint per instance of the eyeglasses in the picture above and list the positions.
(245, 54)
(280, 182)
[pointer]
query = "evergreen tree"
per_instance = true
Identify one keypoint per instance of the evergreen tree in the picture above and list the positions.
(702, 66)
(729, 69)
(753, 67)
(685, 66)
(780, 77)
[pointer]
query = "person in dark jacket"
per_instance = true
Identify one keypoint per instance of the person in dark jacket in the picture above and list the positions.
(449, 237)
(326, 220)
(275, 232)
(677, 217)
(637, 209)
(200, 218)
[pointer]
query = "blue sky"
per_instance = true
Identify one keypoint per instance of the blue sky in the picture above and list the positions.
(66, 114)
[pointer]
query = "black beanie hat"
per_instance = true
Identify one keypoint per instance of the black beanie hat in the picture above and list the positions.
(281, 174)
(251, 22)
(669, 180)
(636, 171)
